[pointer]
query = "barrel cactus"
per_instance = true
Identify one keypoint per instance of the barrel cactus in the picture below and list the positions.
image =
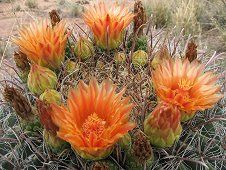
(111, 98)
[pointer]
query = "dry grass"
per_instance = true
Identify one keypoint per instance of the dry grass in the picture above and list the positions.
(5, 48)
(179, 13)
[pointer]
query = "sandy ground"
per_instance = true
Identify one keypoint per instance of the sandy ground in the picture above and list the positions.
(11, 19)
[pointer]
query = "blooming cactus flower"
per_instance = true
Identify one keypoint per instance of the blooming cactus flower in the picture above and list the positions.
(163, 126)
(40, 79)
(185, 85)
(95, 118)
(43, 44)
(107, 24)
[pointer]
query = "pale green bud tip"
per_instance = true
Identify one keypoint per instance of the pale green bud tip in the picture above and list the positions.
(120, 57)
(40, 79)
(51, 96)
(139, 58)
(84, 48)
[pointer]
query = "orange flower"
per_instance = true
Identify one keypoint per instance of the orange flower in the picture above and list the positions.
(185, 85)
(112, 22)
(43, 44)
(94, 120)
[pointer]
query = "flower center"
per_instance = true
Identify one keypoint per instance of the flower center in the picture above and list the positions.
(93, 124)
(184, 84)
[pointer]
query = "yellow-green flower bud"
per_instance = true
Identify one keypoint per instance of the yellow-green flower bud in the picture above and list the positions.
(51, 96)
(185, 116)
(56, 144)
(139, 58)
(120, 57)
(84, 48)
(125, 142)
(40, 79)
(71, 66)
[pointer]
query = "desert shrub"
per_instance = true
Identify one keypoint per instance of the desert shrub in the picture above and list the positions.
(158, 11)
(185, 17)
(16, 7)
(221, 32)
(211, 16)
(60, 2)
(31, 3)
(193, 16)
(7, 1)
(75, 9)
(210, 11)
